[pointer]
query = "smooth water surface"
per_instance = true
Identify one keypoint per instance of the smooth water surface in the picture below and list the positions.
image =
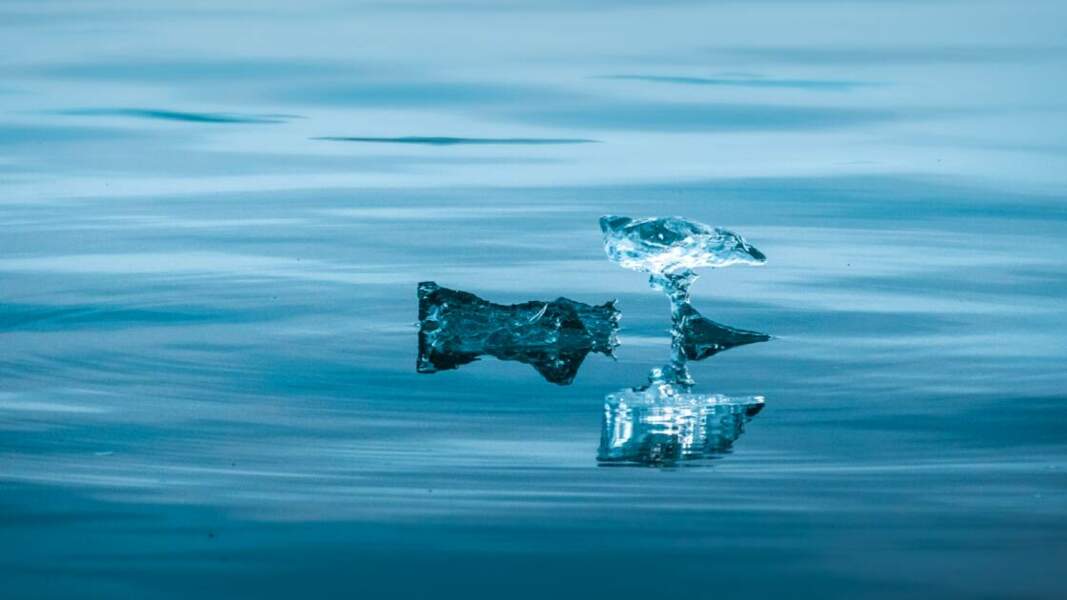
(214, 217)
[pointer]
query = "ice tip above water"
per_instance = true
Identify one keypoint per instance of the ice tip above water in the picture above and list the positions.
(670, 245)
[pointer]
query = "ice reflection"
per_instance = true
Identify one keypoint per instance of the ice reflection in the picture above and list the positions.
(660, 426)
(663, 422)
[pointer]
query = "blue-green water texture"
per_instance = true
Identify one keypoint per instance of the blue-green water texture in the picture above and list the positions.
(214, 217)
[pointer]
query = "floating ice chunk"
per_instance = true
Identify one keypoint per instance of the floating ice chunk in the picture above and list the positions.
(672, 245)
(669, 248)
(457, 327)
(700, 337)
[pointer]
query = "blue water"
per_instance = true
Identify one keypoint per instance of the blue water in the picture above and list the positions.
(213, 217)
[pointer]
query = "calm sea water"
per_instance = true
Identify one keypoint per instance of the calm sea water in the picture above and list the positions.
(214, 216)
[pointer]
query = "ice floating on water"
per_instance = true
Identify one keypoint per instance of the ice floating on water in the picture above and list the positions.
(701, 337)
(669, 248)
(456, 327)
(658, 423)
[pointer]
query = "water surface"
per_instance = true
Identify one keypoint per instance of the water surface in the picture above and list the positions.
(215, 217)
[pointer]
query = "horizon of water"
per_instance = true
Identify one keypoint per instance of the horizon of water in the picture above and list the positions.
(215, 216)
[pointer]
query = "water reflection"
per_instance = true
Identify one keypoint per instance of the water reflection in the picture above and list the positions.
(663, 422)
(457, 327)
(661, 428)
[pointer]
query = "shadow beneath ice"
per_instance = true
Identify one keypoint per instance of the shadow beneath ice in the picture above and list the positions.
(456, 328)
(663, 422)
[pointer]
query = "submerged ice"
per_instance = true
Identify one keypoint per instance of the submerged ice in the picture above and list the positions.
(457, 327)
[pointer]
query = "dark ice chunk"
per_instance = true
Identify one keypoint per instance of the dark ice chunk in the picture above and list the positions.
(457, 327)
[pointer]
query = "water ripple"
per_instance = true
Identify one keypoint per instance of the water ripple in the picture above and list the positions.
(455, 141)
(752, 82)
(175, 115)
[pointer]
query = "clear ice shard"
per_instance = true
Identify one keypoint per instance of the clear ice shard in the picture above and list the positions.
(457, 327)
(702, 338)
(664, 245)
(670, 248)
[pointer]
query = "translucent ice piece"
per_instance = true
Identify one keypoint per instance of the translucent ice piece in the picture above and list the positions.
(669, 245)
(661, 426)
(456, 327)
(669, 248)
